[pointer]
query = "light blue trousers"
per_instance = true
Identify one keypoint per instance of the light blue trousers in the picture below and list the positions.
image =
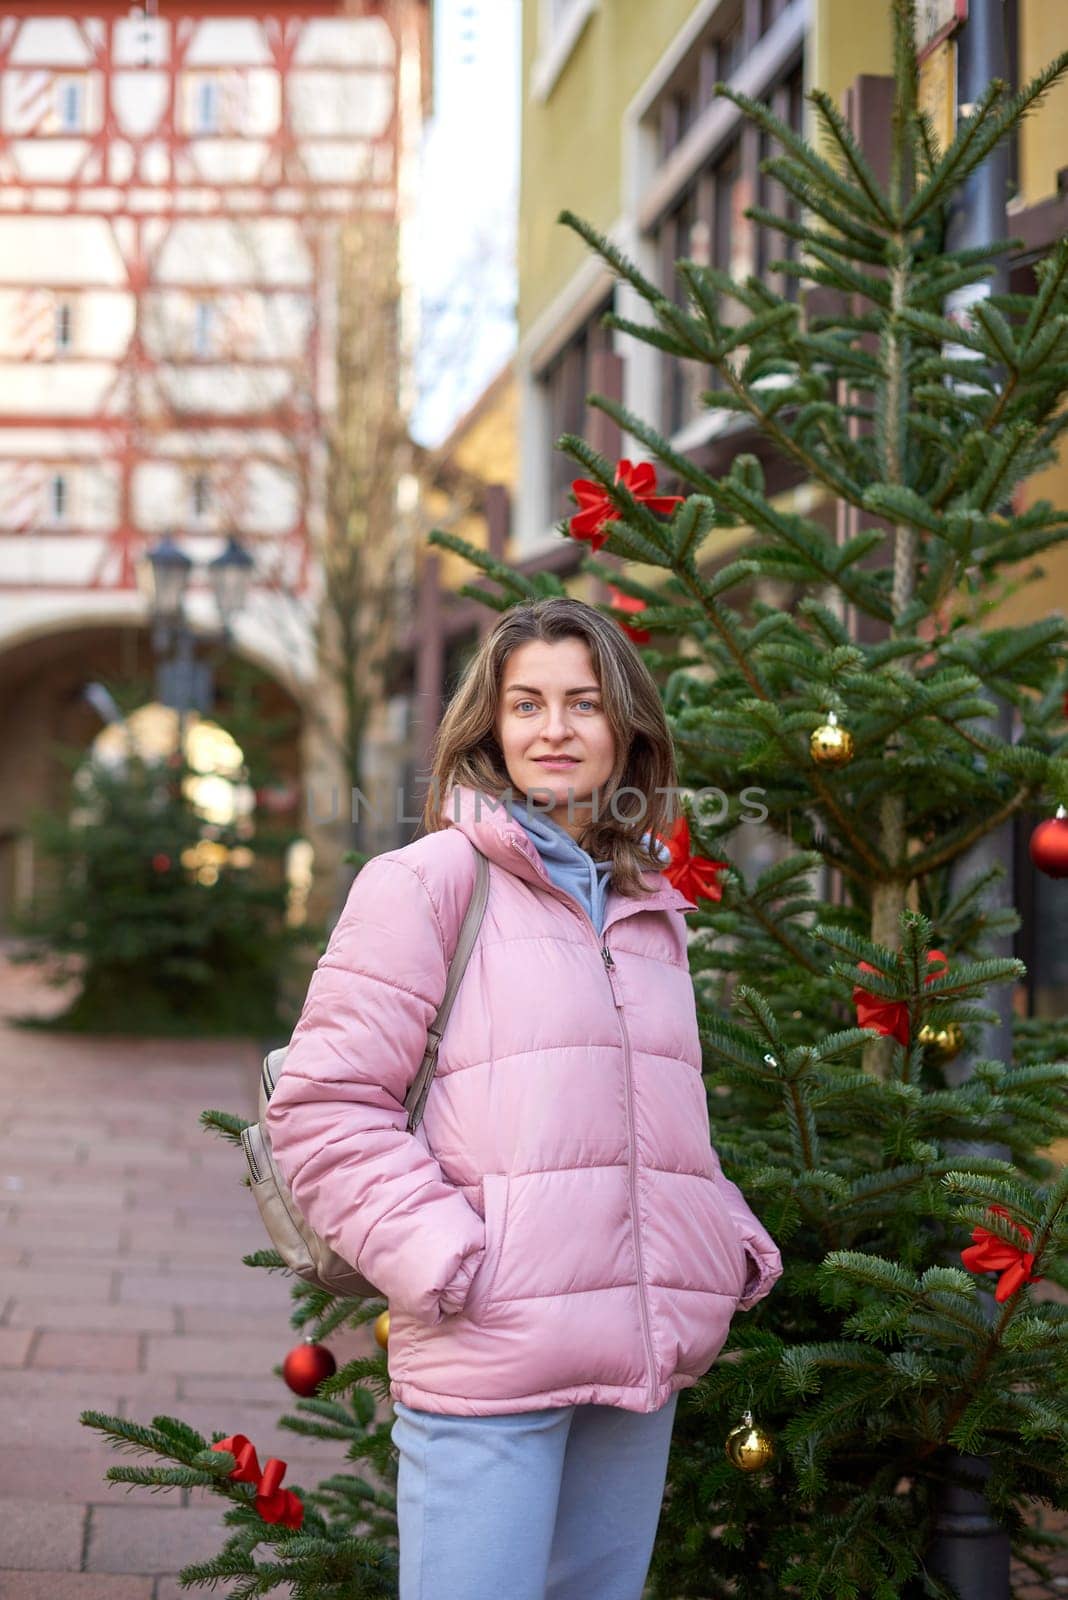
(560, 1504)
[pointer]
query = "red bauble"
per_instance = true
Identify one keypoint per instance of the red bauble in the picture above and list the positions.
(1049, 846)
(161, 862)
(305, 1367)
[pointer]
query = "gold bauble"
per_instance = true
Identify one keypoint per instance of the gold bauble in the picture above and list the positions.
(942, 1043)
(831, 745)
(382, 1329)
(748, 1447)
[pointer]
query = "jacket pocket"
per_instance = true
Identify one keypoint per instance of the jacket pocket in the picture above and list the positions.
(495, 1216)
(733, 1265)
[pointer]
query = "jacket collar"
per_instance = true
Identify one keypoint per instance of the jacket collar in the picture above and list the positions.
(503, 840)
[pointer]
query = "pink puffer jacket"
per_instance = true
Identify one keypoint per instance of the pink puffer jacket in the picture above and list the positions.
(558, 1229)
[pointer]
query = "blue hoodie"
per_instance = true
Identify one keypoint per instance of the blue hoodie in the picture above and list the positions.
(569, 866)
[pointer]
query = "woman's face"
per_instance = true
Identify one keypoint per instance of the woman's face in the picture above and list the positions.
(550, 706)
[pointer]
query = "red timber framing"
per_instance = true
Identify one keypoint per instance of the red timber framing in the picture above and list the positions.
(127, 134)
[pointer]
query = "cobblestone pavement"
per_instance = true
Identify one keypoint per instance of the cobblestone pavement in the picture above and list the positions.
(122, 1227)
(122, 1290)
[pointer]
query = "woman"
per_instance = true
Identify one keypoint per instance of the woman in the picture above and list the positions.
(559, 1247)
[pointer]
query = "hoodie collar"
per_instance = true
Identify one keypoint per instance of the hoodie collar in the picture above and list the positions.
(503, 839)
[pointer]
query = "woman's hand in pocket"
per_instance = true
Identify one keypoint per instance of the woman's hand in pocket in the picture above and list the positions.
(454, 1295)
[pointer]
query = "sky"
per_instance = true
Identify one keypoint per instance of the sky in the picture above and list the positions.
(465, 227)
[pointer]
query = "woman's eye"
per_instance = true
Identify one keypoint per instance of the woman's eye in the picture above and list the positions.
(521, 703)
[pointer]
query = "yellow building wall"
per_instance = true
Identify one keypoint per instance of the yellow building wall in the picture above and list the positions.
(846, 39)
(486, 444)
(1043, 137)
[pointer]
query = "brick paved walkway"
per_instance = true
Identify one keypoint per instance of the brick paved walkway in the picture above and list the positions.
(122, 1227)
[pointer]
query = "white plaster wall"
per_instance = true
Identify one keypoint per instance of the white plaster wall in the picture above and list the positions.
(103, 323)
(344, 42)
(70, 443)
(340, 105)
(141, 42)
(160, 495)
(60, 389)
(270, 250)
(50, 40)
(32, 563)
(225, 161)
(243, 325)
(272, 498)
(229, 43)
(224, 390)
(59, 251)
(343, 161)
(56, 161)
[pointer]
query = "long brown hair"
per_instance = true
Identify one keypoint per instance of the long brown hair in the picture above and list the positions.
(466, 749)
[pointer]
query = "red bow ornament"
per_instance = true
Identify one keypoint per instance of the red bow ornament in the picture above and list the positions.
(596, 507)
(629, 602)
(889, 1017)
(692, 875)
(989, 1253)
(273, 1503)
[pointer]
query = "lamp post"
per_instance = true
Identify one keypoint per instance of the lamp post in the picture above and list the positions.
(182, 681)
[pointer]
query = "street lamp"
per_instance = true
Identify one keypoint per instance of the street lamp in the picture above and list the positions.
(182, 682)
(230, 574)
(170, 568)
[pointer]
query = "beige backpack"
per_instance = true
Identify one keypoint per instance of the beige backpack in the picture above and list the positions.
(301, 1248)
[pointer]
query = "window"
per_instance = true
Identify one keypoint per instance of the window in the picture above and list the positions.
(682, 234)
(200, 494)
(730, 51)
(64, 327)
(203, 328)
(770, 11)
(787, 102)
(692, 87)
(566, 383)
(706, 174)
(676, 118)
(58, 497)
(206, 106)
(705, 225)
(70, 104)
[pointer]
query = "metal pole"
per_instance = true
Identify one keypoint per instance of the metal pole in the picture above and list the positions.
(970, 1548)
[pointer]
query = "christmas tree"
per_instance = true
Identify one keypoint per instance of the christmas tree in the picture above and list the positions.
(835, 985)
(165, 903)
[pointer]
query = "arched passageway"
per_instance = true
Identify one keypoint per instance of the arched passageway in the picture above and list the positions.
(44, 711)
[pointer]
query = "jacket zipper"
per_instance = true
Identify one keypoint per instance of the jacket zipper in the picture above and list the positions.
(632, 1169)
(632, 1159)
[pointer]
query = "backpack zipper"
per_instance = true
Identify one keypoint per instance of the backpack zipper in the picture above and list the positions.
(251, 1159)
(632, 1161)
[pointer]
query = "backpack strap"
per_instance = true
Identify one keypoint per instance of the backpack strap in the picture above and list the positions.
(415, 1099)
